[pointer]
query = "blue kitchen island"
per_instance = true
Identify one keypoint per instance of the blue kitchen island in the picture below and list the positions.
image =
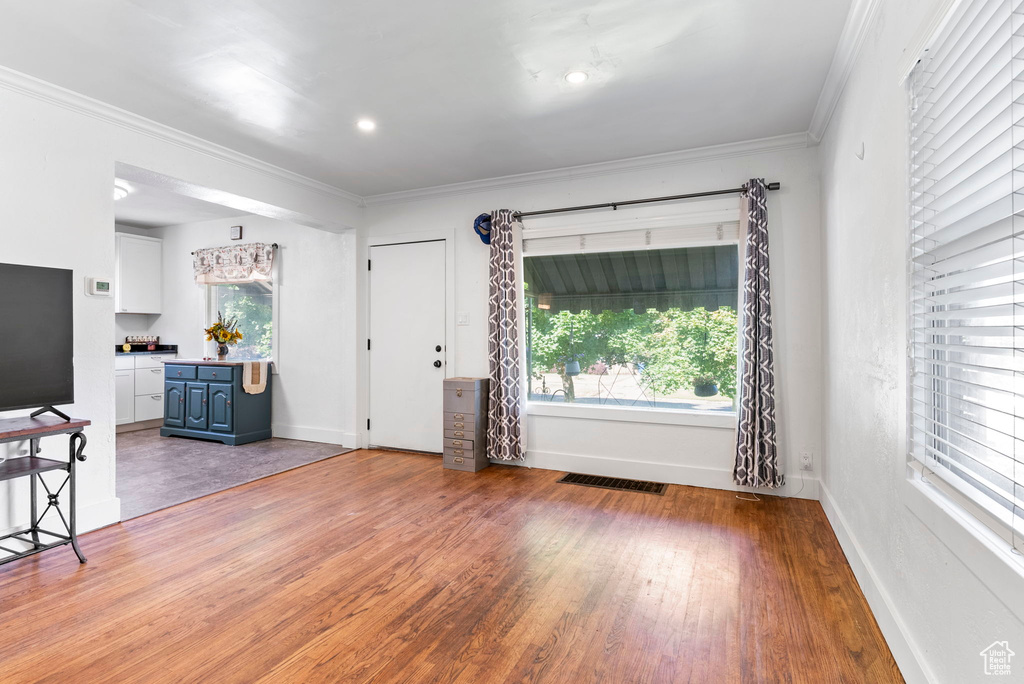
(205, 399)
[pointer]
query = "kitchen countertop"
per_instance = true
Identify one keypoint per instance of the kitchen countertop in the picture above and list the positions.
(160, 349)
(204, 362)
(144, 353)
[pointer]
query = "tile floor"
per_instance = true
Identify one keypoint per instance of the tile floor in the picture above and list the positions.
(155, 472)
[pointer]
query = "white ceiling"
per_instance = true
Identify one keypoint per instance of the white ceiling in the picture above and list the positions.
(151, 207)
(460, 90)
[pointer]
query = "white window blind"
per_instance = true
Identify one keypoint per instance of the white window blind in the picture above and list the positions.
(966, 403)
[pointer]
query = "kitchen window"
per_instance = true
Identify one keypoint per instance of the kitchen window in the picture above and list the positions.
(635, 319)
(252, 304)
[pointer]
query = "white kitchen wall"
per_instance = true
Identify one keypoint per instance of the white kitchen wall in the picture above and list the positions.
(56, 175)
(314, 395)
(684, 454)
(928, 595)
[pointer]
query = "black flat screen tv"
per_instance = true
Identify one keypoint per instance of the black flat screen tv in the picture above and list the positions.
(37, 366)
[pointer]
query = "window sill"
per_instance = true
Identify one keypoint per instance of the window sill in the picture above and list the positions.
(707, 419)
(987, 555)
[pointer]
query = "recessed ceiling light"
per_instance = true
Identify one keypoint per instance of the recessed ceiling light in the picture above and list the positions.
(576, 76)
(366, 124)
(120, 191)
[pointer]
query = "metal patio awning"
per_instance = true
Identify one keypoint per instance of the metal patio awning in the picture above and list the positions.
(684, 278)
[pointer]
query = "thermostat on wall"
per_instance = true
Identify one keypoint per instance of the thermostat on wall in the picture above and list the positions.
(236, 232)
(98, 287)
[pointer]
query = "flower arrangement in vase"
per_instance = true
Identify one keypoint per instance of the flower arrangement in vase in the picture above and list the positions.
(223, 332)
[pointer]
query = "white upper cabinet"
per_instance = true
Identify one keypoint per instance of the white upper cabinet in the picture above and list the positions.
(138, 274)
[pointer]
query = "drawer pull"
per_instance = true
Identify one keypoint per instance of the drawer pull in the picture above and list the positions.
(179, 374)
(229, 403)
(457, 459)
(456, 442)
(459, 434)
(157, 397)
(458, 391)
(154, 370)
(459, 416)
(458, 451)
(461, 425)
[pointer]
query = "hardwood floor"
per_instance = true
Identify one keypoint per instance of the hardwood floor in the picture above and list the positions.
(377, 566)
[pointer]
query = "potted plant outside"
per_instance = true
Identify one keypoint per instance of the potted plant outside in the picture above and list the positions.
(705, 386)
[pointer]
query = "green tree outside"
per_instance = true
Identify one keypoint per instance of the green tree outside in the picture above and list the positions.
(255, 320)
(670, 349)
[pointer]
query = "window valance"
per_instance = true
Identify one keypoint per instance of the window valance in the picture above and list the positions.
(234, 264)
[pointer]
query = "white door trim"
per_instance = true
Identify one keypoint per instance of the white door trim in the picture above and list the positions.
(432, 235)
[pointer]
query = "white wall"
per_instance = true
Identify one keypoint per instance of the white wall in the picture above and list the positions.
(314, 394)
(674, 453)
(927, 594)
(56, 174)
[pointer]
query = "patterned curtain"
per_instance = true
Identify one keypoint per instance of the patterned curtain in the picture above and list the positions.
(756, 459)
(505, 434)
(233, 264)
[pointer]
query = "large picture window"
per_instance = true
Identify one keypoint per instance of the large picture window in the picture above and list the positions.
(640, 328)
(966, 413)
(252, 304)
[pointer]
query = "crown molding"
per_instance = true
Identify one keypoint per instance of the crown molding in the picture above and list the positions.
(30, 86)
(926, 33)
(862, 12)
(654, 161)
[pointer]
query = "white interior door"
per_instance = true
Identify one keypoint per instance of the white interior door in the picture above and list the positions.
(407, 345)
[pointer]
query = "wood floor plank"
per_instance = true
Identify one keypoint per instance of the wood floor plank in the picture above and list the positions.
(383, 567)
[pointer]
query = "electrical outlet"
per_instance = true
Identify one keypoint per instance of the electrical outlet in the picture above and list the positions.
(806, 462)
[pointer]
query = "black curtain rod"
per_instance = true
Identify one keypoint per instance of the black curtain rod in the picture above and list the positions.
(274, 245)
(616, 205)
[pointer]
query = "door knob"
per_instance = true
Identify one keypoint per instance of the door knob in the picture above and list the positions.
(437, 364)
(437, 348)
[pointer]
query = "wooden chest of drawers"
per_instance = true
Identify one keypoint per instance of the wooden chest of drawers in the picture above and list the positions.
(465, 423)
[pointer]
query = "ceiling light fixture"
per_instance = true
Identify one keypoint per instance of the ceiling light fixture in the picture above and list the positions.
(576, 76)
(366, 124)
(120, 191)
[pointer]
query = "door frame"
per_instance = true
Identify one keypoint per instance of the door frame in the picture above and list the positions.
(446, 235)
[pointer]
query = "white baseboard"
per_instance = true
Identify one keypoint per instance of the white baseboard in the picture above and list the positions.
(90, 516)
(671, 473)
(100, 514)
(141, 425)
(908, 656)
(310, 434)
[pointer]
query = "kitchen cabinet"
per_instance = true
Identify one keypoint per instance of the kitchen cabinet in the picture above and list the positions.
(221, 413)
(124, 396)
(139, 387)
(138, 274)
(205, 399)
(174, 403)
